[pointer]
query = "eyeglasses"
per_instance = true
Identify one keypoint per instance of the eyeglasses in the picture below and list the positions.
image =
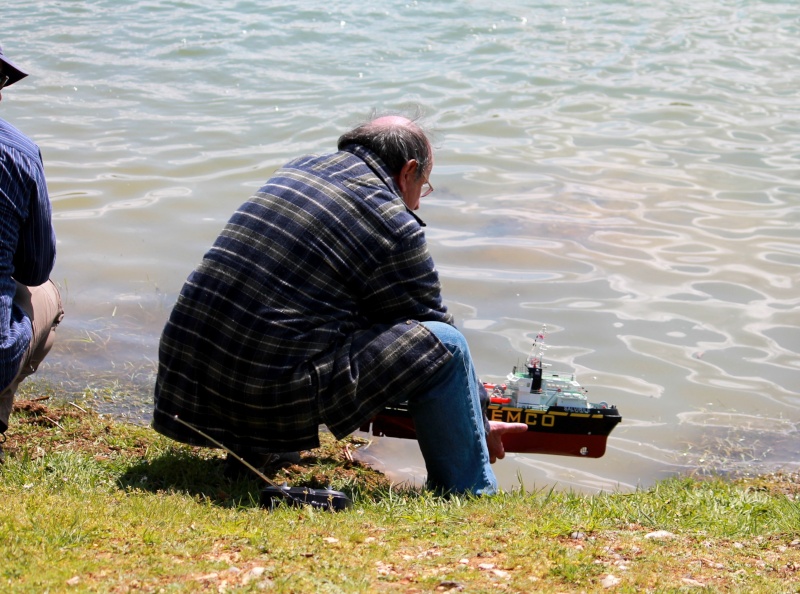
(3, 81)
(427, 188)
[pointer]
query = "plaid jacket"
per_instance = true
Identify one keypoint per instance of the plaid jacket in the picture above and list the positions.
(305, 311)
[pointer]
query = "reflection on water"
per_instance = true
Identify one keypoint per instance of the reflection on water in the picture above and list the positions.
(624, 173)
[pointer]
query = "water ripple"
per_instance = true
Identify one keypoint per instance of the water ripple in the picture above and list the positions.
(625, 173)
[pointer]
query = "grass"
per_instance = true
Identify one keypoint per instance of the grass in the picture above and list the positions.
(91, 504)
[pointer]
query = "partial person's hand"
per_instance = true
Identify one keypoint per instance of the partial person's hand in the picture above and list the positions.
(495, 437)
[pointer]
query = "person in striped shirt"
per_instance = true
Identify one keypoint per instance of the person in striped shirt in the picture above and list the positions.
(30, 304)
(319, 304)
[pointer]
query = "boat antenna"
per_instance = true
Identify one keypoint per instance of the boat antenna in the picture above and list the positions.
(535, 358)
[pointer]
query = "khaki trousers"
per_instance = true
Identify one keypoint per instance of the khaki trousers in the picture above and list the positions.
(43, 306)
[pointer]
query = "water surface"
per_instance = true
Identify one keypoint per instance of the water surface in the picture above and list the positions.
(626, 173)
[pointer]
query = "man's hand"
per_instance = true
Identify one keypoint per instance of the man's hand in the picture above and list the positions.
(495, 438)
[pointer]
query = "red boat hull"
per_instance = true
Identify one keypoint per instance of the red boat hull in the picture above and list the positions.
(556, 431)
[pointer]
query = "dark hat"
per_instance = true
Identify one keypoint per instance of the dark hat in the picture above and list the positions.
(11, 70)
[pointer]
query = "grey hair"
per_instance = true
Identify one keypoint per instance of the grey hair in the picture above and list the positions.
(395, 144)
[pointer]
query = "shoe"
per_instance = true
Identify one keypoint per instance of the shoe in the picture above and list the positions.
(234, 469)
(286, 458)
(2, 455)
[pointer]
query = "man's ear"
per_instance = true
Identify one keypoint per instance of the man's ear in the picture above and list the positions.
(407, 174)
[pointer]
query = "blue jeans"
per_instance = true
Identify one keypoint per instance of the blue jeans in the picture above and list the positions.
(449, 422)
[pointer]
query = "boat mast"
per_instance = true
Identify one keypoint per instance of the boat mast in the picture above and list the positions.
(534, 362)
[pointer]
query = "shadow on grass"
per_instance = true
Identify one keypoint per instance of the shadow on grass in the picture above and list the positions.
(183, 471)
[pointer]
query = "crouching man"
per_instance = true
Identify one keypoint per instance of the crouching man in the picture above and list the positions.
(30, 304)
(320, 304)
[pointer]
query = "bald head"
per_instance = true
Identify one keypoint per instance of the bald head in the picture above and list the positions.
(396, 140)
(393, 120)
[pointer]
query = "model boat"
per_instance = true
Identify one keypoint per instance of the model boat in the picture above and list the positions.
(554, 406)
